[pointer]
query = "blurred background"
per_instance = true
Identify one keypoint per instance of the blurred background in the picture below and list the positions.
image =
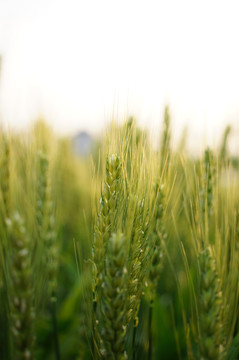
(76, 63)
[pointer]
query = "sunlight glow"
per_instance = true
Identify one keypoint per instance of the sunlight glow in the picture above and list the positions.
(73, 61)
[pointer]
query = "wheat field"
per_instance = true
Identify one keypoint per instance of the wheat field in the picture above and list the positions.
(129, 253)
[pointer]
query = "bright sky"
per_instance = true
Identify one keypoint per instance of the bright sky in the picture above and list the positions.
(76, 60)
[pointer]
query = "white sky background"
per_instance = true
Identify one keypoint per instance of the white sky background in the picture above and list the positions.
(76, 60)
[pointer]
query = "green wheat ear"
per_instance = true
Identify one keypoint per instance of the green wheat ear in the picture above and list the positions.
(224, 144)
(46, 222)
(157, 236)
(106, 217)
(51, 250)
(41, 192)
(40, 211)
(208, 180)
(114, 300)
(165, 141)
(134, 261)
(138, 261)
(210, 306)
(44, 249)
(20, 296)
(105, 223)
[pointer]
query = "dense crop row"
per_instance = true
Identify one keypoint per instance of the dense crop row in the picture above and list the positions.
(132, 253)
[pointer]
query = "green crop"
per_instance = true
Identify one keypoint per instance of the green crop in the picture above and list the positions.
(129, 253)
